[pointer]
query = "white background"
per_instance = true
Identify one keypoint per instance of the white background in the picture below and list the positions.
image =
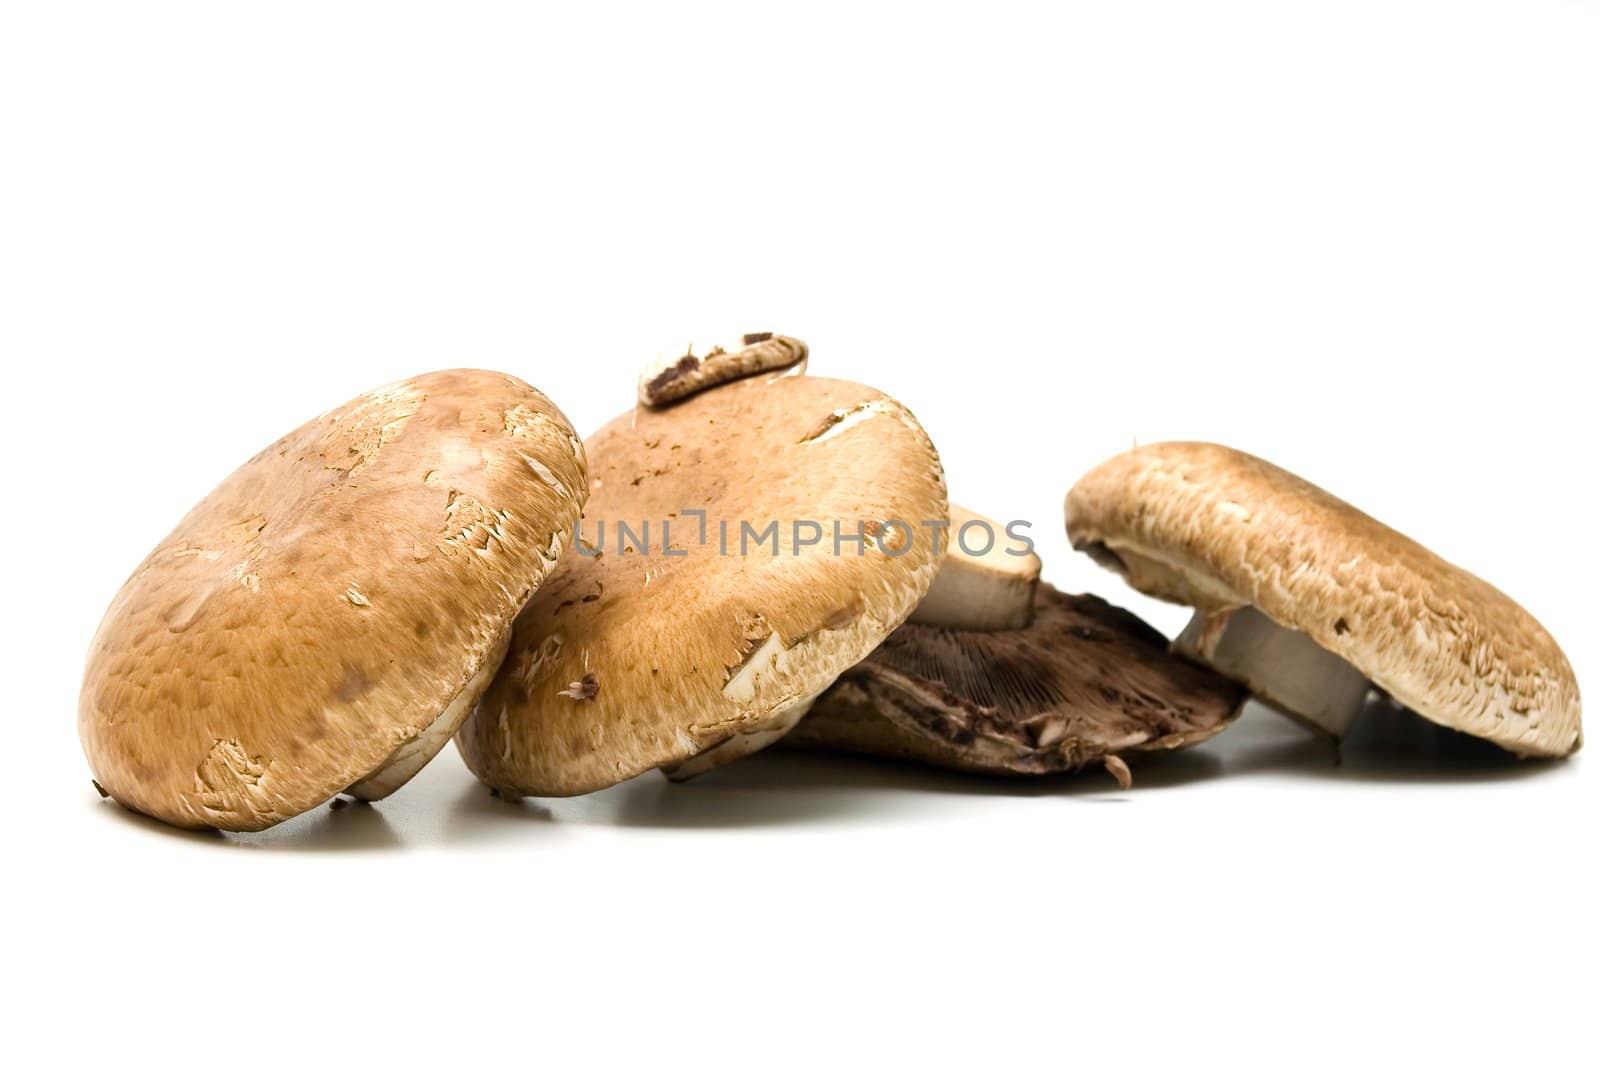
(1361, 239)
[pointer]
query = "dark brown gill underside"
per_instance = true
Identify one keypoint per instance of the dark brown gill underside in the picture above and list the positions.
(1086, 681)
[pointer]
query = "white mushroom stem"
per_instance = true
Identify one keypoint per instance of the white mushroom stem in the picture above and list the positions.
(412, 756)
(985, 581)
(739, 745)
(1281, 667)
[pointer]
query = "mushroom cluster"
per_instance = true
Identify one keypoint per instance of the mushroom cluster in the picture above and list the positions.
(747, 555)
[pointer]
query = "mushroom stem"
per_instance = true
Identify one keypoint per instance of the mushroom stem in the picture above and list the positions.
(411, 757)
(984, 581)
(739, 745)
(1282, 668)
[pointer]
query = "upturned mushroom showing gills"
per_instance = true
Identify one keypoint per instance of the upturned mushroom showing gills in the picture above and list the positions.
(1072, 681)
(1310, 602)
(324, 619)
(1083, 683)
(744, 543)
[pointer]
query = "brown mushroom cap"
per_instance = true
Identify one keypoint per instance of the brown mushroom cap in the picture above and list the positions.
(1081, 683)
(318, 611)
(1208, 526)
(629, 660)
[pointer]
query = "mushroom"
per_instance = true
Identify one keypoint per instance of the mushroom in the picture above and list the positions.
(741, 547)
(325, 619)
(1079, 683)
(1310, 602)
(985, 580)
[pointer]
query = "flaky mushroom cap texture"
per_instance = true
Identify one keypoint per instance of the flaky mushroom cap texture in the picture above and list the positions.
(1218, 529)
(628, 660)
(324, 605)
(1083, 682)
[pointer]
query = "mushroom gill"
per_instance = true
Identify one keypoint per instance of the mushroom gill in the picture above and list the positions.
(1080, 684)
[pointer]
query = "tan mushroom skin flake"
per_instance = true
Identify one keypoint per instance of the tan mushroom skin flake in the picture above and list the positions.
(1226, 532)
(304, 628)
(632, 659)
(671, 378)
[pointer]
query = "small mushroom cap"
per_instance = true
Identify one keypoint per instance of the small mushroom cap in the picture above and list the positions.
(1205, 525)
(633, 659)
(1083, 682)
(324, 605)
